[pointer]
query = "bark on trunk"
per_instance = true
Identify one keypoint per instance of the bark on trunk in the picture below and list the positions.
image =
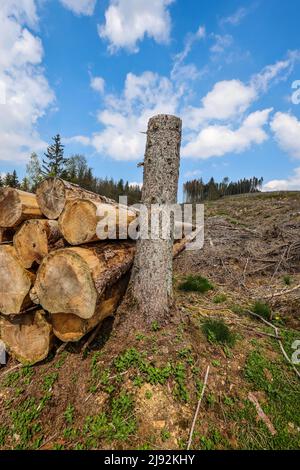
(150, 292)
(73, 280)
(17, 206)
(68, 327)
(79, 219)
(53, 193)
(27, 337)
(35, 239)
(15, 282)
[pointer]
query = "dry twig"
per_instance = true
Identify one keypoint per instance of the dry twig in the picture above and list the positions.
(197, 410)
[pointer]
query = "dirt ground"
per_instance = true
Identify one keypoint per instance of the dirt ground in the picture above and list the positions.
(142, 392)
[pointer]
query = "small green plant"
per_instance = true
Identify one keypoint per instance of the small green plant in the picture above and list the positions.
(262, 309)
(195, 284)
(3, 434)
(69, 414)
(148, 395)
(219, 299)
(179, 372)
(287, 280)
(216, 331)
(12, 379)
(165, 435)
(49, 381)
(138, 381)
(139, 336)
(155, 326)
(215, 363)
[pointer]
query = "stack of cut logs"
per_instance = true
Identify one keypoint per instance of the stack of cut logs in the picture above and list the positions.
(57, 279)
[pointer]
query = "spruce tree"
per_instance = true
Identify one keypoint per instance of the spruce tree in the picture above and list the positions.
(54, 164)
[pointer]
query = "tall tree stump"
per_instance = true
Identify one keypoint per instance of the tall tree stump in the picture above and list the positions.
(150, 293)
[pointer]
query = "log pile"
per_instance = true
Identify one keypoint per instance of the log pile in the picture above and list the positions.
(57, 278)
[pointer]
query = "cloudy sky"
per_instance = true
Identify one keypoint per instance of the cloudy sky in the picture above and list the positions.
(96, 70)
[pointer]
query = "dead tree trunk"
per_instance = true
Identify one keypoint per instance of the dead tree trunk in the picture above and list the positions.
(150, 293)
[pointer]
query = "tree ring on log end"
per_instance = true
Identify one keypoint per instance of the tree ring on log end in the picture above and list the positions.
(15, 282)
(51, 196)
(78, 222)
(64, 284)
(10, 207)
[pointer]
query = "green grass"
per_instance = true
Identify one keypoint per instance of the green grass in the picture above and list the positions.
(117, 424)
(287, 280)
(280, 387)
(262, 309)
(216, 331)
(195, 284)
(219, 299)
(69, 414)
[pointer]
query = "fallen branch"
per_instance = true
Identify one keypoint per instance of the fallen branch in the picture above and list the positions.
(197, 410)
(278, 339)
(283, 292)
(262, 415)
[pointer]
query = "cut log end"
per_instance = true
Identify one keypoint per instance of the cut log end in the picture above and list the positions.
(17, 206)
(80, 217)
(10, 207)
(34, 240)
(27, 337)
(71, 328)
(64, 284)
(15, 282)
(51, 196)
(78, 222)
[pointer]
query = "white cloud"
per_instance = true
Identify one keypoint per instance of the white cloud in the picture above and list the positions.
(237, 17)
(289, 184)
(80, 7)
(136, 183)
(275, 73)
(227, 99)
(181, 72)
(220, 124)
(192, 173)
(286, 128)
(78, 139)
(128, 21)
(98, 84)
(124, 119)
(221, 43)
(216, 141)
(27, 92)
(24, 11)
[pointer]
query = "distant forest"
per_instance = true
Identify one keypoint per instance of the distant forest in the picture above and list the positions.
(76, 170)
(197, 190)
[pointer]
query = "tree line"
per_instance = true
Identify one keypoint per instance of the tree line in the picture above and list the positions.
(74, 169)
(197, 190)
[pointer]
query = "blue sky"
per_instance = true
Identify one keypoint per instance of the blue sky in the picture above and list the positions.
(96, 70)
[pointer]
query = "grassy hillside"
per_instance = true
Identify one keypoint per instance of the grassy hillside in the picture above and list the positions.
(141, 392)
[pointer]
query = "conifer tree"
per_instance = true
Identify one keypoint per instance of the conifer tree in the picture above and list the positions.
(54, 163)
